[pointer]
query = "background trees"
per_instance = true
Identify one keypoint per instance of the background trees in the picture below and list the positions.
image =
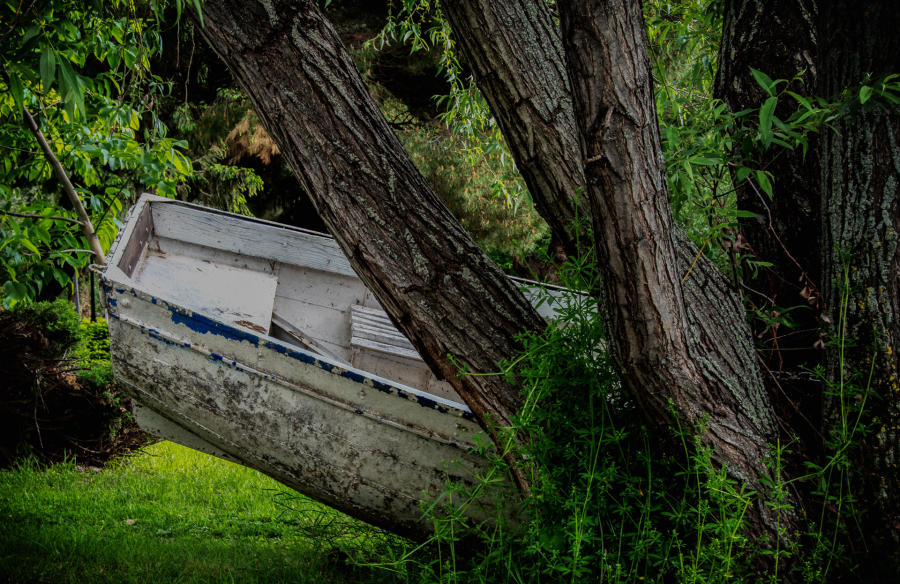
(83, 71)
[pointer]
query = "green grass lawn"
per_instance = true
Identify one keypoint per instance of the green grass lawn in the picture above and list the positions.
(170, 514)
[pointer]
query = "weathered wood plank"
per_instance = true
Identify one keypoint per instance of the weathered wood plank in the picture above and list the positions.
(231, 295)
(248, 237)
(138, 239)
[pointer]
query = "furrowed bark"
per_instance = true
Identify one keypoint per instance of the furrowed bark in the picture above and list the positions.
(780, 39)
(515, 53)
(861, 216)
(659, 346)
(502, 43)
(438, 287)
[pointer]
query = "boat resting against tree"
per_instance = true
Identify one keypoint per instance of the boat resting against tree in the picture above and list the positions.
(257, 342)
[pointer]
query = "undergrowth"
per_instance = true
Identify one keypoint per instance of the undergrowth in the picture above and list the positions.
(611, 503)
(58, 395)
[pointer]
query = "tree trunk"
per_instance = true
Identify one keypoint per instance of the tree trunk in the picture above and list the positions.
(779, 39)
(503, 43)
(658, 350)
(438, 287)
(84, 220)
(861, 216)
(515, 53)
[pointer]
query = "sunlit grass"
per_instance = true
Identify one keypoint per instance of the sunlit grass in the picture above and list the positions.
(169, 514)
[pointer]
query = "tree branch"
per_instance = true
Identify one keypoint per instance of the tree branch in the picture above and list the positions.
(39, 216)
(87, 228)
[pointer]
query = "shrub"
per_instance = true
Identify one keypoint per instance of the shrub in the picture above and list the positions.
(58, 397)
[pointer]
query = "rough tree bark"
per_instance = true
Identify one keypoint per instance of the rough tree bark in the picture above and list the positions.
(656, 347)
(503, 43)
(780, 39)
(434, 282)
(515, 53)
(861, 220)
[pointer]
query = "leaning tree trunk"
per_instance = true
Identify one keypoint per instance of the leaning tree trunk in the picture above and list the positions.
(508, 44)
(515, 53)
(861, 216)
(438, 287)
(655, 345)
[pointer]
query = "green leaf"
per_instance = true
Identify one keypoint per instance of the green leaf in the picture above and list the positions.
(801, 100)
(18, 92)
(764, 81)
(762, 177)
(865, 92)
(181, 163)
(765, 120)
(114, 57)
(30, 34)
(70, 88)
(41, 233)
(27, 244)
(199, 11)
(130, 56)
(705, 161)
(742, 173)
(61, 277)
(16, 290)
(48, 67)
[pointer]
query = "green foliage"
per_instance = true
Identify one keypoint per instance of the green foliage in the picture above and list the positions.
(607, 504)
(91, 355)
(94, 99)
(420, 25)
(212, 131)
(695, 129)
(57, 320)
(476, 194)
(710, 151)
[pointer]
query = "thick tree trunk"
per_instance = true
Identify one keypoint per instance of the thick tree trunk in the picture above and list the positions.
(654, 343)
(861, 215)
(779, 39)
(515, 53)
(504, 43)
(434, 282)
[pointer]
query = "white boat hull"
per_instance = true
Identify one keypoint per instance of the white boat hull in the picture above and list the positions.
(194, 298)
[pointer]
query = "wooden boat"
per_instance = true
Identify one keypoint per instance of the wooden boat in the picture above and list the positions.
(256, 342)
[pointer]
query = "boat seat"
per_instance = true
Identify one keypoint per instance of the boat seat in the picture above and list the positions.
(370, 328)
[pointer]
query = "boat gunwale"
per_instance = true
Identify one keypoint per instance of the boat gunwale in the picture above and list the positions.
(147, 199)
(238, 334)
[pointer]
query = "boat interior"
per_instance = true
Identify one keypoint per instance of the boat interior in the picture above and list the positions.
(289, 284)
